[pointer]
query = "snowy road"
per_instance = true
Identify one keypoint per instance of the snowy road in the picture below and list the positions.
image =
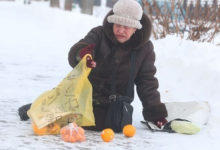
(34, 43)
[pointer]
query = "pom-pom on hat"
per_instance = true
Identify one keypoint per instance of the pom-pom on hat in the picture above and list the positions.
(127, 13)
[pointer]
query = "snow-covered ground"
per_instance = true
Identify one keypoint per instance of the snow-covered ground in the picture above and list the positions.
(34, 44)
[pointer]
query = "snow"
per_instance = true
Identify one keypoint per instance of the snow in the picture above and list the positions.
(34, 45)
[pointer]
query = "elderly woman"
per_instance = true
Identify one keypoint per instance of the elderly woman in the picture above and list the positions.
(125, 31)
(122, 56)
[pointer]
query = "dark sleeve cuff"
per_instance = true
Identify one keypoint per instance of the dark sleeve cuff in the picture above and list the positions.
(73, 55)
(155, 112)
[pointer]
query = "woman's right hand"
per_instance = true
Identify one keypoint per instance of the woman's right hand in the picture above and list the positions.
(88, 50)
(90, 62)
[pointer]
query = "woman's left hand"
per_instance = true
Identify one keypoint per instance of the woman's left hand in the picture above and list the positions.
(160, 122)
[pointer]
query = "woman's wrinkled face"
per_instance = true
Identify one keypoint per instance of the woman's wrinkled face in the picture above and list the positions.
(123, 33)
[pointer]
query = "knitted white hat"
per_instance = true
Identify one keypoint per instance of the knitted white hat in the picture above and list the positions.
(127, 13)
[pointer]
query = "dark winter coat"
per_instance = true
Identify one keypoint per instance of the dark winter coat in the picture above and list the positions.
(106, 59)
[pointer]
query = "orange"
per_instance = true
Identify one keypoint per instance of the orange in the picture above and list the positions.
(81, 130)
(38, 131)
(72, 139)
(107, 135)
(129, 130)
(50, 129)
(53, 128)
(81, 134)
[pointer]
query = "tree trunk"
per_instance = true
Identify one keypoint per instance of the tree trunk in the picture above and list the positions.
(55, 3)
(76, 1)
(185, 4)
(110, 3)
(97, 2)
(68, 5)
(86, 6)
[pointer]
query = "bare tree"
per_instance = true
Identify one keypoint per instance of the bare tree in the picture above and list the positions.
(55, 3)
(197, 23)
(97, 2)
(185, 3)
(197, 10)
(191, 7)
(86, 6)
(205, 10)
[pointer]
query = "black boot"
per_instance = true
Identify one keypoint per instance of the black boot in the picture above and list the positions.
(22, 112)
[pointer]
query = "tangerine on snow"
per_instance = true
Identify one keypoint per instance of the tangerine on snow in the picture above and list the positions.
(38, 131)
(49, 129)
(53, 128)
(107, 135)
(129, 130)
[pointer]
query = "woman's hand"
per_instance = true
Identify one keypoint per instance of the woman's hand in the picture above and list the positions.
(90, 62)
(160, 122)
(88, 50)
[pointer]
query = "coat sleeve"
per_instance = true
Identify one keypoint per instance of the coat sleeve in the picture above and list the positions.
(93, 37)
(147, 85)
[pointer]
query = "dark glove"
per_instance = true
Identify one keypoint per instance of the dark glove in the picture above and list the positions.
(88, 50)
(22, 112)
(160, 122)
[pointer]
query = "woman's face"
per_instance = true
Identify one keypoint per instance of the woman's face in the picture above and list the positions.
(123, 33)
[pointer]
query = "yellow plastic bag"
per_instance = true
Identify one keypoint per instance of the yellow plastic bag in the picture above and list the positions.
(70, 101)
